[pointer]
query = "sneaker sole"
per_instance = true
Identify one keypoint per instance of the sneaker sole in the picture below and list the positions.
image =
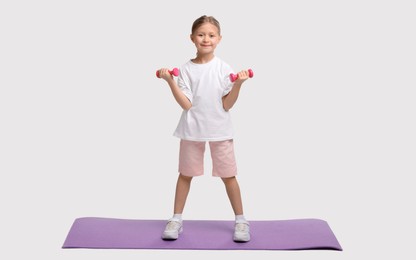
(171, 235)
(241, 237)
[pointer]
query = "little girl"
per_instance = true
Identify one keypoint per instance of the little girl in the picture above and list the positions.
(206, 94)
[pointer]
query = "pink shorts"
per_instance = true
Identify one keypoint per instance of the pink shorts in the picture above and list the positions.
(191, 158)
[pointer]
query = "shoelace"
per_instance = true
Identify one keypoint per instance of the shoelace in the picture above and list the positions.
(173, 225)
(241, 227)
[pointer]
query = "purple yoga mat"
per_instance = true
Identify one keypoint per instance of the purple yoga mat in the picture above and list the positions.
(297, 234)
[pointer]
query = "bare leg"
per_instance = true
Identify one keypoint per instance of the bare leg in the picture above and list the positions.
(182, 189)
(233, 192)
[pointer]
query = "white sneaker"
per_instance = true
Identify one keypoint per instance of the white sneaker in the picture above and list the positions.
(172, 230)
(242, 232)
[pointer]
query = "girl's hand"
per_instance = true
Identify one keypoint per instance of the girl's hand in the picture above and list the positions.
(164, 74)
(242, 76)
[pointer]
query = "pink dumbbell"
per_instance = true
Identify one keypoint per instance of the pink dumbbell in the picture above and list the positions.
(234, 77)
(174, 72)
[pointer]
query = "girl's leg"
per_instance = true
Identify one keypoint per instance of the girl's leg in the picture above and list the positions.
(242, 227)
(174, 226)
(233, 192)
(182, 189)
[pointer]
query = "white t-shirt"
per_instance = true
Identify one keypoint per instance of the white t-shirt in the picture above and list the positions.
(205, 85)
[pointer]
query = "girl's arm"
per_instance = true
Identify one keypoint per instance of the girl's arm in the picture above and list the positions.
(229, 100)
(180, 97)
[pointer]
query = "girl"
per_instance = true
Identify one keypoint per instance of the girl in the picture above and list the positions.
(206, 94)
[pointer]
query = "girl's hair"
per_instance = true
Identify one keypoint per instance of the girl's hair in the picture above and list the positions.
(205, 19)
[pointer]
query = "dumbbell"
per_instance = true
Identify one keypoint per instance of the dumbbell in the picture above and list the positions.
(174, 72)
(234, 77)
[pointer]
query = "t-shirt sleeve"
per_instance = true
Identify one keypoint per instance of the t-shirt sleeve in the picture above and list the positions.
(226, 81)
(184, 84)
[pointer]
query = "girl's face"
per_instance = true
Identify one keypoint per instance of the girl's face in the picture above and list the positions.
(206, 38)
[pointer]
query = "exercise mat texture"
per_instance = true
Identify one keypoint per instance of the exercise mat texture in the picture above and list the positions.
(295, 234)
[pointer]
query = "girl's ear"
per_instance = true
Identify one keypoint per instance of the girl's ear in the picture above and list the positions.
(192, 38)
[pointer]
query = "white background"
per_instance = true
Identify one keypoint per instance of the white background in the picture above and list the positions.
(325, 129)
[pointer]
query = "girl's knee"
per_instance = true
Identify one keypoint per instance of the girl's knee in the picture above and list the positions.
(228, 180)
(185, 178)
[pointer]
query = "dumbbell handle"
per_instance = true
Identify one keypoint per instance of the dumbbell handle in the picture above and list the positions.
(234, 77)
(174, 72)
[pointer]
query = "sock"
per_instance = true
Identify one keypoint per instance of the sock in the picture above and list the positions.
(240, 219)
(177, 217)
